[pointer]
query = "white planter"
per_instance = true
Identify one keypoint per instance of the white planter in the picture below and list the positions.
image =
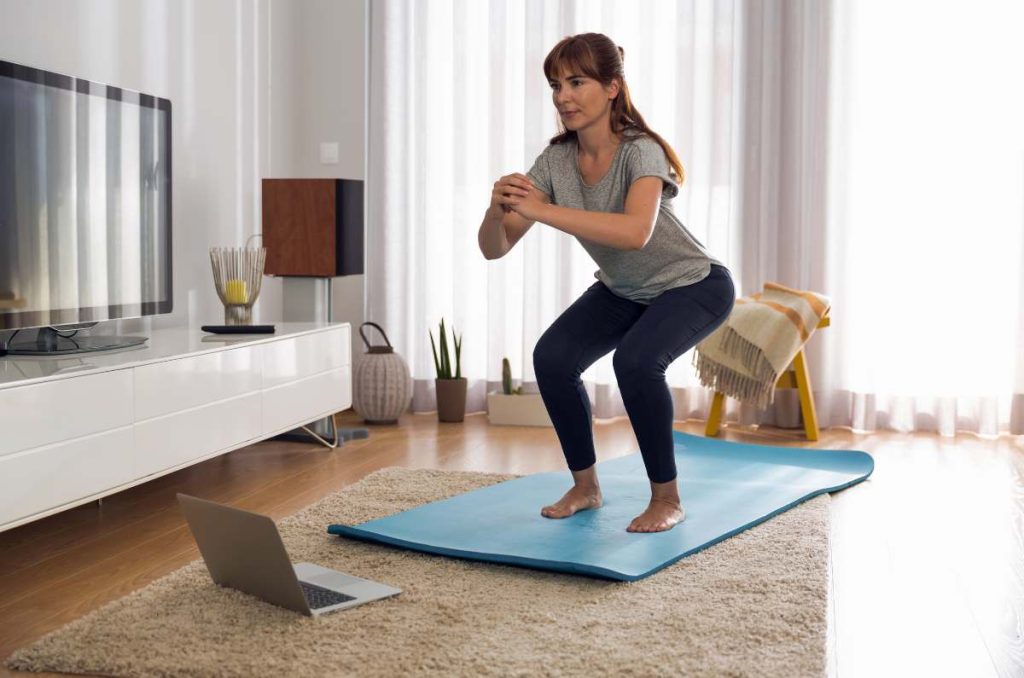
(517, 410)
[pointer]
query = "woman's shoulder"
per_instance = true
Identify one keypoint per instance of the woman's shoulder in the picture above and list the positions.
(557, 151)
(640, 140)
(644, 150)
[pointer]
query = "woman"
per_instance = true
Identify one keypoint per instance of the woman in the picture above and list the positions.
(607, 179)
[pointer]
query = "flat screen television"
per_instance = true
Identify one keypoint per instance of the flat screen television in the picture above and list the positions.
(85, 208)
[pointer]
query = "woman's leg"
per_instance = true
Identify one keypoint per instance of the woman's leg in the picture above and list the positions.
(672, 325)
(590, 328)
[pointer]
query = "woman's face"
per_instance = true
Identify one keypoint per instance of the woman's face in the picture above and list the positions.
(581, 101)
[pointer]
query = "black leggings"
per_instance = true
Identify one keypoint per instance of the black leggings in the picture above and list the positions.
(647, 339)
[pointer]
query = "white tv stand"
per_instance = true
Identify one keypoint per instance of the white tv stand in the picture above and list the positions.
(79, 427)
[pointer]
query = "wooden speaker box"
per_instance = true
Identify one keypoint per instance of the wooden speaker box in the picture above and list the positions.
(313, 227)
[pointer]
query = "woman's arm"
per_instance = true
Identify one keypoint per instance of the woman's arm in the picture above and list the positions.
(627, 231)
(491, 237)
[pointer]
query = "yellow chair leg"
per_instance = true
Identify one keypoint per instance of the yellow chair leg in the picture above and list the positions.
(803, 384)
(794, 376)
(715, 418)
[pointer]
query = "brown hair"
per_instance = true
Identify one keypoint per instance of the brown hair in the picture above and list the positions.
(596, 56)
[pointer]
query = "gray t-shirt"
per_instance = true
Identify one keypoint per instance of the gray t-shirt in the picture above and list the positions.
(672, 256)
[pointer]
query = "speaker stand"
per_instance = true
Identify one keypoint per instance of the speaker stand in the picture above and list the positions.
(311, 300)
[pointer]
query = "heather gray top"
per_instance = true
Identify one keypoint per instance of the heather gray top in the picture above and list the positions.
(673, 257)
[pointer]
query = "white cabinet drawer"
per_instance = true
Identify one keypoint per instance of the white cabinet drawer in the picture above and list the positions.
(175, 385)
(303, 401)
(41, 414)
(48, 477)
(181, 437)
(291, 359)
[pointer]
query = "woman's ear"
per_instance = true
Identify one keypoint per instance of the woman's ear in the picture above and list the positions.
(613, 89)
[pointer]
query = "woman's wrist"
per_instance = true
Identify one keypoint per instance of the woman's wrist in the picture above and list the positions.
(544, 213)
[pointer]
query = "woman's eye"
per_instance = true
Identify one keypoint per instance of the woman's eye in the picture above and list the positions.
(576, 83)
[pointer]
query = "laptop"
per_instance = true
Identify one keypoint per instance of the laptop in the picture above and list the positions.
(244, 550)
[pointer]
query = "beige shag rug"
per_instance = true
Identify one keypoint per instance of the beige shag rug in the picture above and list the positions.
(753, 605)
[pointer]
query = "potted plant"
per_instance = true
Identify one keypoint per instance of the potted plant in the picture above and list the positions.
(512, 407)
(450, 390)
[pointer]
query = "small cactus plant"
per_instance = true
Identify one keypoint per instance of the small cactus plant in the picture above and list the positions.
(506, 379)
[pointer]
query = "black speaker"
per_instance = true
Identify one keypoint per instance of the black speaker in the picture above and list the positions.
(313, 227)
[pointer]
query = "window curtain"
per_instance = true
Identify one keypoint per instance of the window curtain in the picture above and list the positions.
(835, 146)
(925, 254)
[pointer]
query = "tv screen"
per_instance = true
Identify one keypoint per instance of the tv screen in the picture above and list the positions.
(85, 200)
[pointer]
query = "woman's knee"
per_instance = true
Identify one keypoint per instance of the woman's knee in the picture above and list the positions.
(631, 365)
(553, 356)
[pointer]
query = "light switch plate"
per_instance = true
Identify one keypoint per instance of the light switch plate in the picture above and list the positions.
(328, 153)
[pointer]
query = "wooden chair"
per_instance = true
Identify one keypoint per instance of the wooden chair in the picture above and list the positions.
(794, 376)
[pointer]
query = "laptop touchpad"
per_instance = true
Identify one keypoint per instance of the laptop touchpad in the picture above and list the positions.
(321, 576)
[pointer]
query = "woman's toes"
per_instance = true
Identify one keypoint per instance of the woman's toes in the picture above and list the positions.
(551, 512)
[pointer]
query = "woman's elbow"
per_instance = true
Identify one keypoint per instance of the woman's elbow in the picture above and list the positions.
(644, 236)
(490, 255)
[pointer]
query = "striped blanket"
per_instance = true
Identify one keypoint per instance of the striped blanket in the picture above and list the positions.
(744, 357)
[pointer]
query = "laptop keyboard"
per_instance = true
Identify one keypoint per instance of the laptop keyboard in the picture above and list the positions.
(317, 596)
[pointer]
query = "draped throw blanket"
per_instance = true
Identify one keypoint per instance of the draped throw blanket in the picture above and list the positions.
(744, 357)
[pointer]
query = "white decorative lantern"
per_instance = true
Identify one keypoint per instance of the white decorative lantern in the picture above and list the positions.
(382, 386)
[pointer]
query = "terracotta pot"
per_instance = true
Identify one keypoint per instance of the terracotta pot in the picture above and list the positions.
(451, 399)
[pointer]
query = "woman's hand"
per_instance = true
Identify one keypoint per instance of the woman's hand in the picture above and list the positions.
(508, 188)
(529, 206)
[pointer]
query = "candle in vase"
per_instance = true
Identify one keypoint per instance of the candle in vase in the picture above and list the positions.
(234, 292)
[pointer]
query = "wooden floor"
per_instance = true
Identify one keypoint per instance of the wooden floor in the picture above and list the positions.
(927, 566)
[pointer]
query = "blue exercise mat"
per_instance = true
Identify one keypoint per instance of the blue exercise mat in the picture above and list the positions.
(725, 487)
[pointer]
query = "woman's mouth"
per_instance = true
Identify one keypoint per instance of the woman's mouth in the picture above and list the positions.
(569, 114)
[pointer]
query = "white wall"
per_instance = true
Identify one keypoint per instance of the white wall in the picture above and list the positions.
(255, 86)
(316, 88)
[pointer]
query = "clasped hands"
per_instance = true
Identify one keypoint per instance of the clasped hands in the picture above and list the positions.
(516, 193)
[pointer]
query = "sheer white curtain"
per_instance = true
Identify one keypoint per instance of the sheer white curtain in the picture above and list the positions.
(842, 146)
(925, 252)
(458, 98)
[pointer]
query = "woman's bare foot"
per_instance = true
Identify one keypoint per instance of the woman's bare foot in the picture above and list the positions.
(664, 511)
(576, 499)
(585, 494)
(661, 515)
